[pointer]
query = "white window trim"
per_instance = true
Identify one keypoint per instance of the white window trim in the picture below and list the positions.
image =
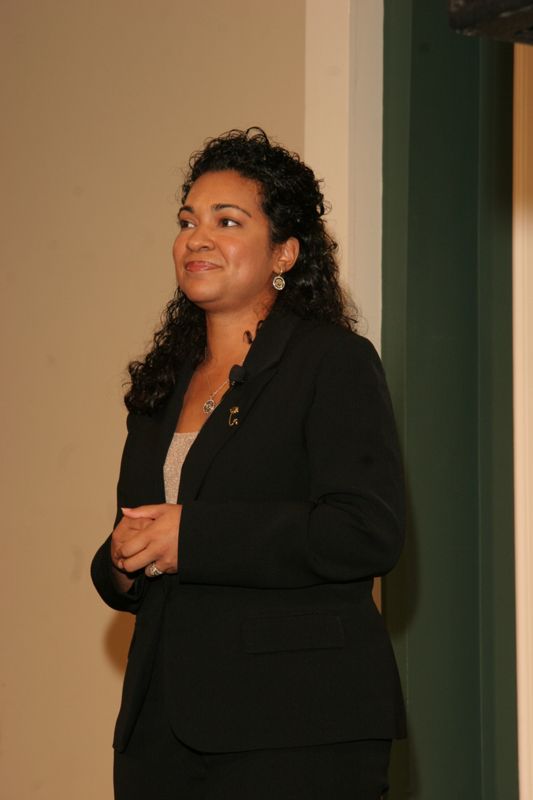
(343, 135)
(523, 403)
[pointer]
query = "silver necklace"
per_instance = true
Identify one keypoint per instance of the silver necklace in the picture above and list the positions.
(210, 403)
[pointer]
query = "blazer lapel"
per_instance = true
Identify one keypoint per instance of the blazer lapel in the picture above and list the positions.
(229, 416)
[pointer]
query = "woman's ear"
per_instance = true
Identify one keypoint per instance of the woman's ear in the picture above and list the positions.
(288, 253)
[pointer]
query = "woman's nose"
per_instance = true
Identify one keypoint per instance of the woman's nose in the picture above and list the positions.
(199, 238)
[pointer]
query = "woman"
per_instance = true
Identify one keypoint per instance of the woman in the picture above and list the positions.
(260, 492)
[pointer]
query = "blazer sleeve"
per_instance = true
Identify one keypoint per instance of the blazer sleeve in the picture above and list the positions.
(352, 525)
(102, 566)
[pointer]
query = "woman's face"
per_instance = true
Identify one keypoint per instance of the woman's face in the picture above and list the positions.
(223, 254)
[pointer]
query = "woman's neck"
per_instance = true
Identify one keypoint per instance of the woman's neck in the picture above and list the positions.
(229, 336)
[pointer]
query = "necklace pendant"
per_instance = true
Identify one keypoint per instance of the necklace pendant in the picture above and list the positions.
(209, 406)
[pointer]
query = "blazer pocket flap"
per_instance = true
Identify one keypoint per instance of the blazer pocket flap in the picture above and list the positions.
(293, 632)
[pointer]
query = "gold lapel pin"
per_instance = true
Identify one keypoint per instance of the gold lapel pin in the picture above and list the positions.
(233, 418)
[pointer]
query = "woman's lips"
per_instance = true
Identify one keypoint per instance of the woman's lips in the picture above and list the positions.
(200, 266)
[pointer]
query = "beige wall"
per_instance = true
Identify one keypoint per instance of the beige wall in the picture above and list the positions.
(101, 103)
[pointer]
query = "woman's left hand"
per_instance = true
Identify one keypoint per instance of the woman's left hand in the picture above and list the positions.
(156, 543)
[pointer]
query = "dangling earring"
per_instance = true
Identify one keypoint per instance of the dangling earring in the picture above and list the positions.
(278, 281)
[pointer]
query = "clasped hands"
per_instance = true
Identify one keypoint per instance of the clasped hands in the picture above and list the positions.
(145, 535)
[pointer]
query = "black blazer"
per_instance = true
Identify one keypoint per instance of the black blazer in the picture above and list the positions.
(292, 500)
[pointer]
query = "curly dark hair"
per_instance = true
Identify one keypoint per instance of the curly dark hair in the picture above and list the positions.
(292, 200)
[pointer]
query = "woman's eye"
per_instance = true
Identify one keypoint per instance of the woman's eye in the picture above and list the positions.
(229, 223)
(184, 223)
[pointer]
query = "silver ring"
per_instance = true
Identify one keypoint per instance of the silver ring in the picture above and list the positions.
(153, 571)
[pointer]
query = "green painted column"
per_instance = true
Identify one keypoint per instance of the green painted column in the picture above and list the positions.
(447, 351)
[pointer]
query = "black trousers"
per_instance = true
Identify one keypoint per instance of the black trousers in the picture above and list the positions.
(158, 766)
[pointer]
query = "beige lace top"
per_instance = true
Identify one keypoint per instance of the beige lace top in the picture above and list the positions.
(177, 452)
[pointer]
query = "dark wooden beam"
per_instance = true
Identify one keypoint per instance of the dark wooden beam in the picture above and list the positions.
(507, 20)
